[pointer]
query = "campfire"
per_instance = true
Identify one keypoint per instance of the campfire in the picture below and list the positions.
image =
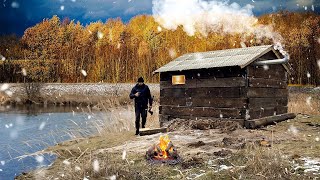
(164, 152)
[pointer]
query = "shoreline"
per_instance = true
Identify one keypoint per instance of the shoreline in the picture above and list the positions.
(69, 94)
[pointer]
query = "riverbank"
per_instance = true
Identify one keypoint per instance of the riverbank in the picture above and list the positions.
(97, 95)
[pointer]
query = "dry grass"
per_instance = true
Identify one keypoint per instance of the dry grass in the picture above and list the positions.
(304, 103)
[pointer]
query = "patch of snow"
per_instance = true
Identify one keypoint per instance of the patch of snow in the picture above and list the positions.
(293, 130)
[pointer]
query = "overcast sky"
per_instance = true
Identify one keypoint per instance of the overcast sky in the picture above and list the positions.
(17, 15)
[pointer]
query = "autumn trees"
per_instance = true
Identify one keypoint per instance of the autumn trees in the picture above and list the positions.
(57, 51)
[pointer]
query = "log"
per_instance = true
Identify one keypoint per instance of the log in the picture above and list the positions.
(148, 131)
(251, 124)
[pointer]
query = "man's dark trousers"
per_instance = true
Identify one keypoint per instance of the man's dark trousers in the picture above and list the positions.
(140, 111)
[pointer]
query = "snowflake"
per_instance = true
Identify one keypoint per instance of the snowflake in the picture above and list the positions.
(3, 163)
(4, 87)
(14, 4)
(95, 165)
(265, 67)
(100, 35)
(114, 177)
(308, 75)
(124, 154)
(42, 125)
(308, 101)
(61, 8)
(66, 162)
(172, 53)
(9, 93)
(2, 58)
(39, 159)
(84, 73)
(24, 72)
(159, 29)
(77, 168)
(243, 45)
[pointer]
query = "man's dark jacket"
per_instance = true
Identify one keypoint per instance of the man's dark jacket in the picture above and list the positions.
(144, 97)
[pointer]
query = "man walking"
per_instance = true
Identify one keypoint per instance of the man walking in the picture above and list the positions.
(141, 95)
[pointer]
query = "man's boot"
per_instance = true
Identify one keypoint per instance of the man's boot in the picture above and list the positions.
(137, 132)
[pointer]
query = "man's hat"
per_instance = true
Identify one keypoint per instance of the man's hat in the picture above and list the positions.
(140, 79)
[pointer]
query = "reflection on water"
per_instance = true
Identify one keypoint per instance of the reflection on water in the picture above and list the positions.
(28, 129)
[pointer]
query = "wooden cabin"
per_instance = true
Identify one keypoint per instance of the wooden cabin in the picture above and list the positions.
(235, 84)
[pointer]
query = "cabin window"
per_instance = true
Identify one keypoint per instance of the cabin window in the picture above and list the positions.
(178, 79)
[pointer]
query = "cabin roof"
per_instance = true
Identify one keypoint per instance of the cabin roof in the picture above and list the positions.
(221, 58)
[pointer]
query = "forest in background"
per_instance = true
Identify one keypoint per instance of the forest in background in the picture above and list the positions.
(65, 51)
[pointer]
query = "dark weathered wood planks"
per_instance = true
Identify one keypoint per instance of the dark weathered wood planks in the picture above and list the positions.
(202, 112)
(267, 83)
(266, 92)
(211, 82)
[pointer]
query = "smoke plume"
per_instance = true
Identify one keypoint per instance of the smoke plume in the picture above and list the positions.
(210, 16)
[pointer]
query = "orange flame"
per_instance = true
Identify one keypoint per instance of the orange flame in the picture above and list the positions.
(164, 141)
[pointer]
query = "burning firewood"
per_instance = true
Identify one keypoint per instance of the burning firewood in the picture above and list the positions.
(164, 152)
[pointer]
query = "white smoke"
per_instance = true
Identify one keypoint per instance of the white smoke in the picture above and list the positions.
(210, 16)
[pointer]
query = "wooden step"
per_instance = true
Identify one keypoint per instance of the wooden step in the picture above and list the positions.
(148, 131)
